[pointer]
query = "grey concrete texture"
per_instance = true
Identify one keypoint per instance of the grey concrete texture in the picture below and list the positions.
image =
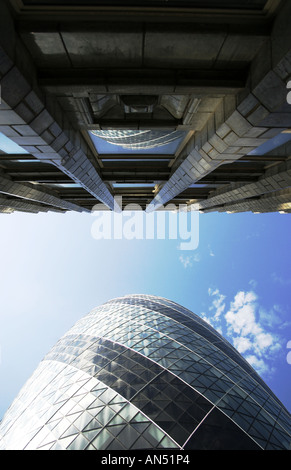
(227, 121)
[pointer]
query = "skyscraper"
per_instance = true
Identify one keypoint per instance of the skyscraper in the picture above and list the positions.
(142, 372)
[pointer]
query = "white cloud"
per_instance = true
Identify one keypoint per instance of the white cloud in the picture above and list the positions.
(205, 318)
(210, 251)
(212, 291)
(242, 344)
(259, 365)
(242, 321)
(243, 298)
(249, 333)
(248, 326)
(188, 261)
(212, 322)
(218, 305)
(264, 340)
(185, 260)
(241, 318)
(216, 308)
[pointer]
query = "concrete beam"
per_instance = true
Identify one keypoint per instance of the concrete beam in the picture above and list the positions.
(121, 81)
(276, 178)
(34, 193)
(273, 202)
(11, 205)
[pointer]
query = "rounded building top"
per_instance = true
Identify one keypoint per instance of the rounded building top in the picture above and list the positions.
(138, 139)
(143, 372)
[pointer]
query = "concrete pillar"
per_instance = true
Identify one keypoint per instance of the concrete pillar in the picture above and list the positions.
(249, 119)
(39, 126)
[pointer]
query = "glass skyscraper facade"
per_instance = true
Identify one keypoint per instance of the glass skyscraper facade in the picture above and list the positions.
(142, 372)
(138, 139)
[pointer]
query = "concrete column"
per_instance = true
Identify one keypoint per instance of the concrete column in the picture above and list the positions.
(250, 119)
(37, 124)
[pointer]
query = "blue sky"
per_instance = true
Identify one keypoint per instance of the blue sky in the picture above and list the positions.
(53, 271)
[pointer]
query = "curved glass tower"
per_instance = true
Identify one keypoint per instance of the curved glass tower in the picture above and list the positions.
(138, 139)
(142, 372)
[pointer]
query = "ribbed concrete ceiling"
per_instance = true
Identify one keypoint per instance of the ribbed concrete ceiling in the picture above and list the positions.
(194, 69)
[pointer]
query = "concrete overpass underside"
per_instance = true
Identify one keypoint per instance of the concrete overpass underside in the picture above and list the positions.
(177, 102)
